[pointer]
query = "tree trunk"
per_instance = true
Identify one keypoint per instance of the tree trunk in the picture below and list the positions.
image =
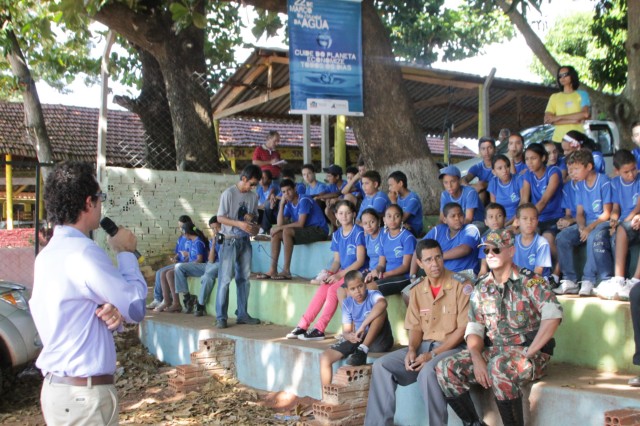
(626, 109)
(33, 116)
(389, 135)
(153, 109)
(180, 57)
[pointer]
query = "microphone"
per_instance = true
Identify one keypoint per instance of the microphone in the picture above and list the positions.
(112, 229)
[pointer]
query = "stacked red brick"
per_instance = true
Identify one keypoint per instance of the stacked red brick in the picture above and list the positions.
(215, 357)
(622, 417)
(344, 401)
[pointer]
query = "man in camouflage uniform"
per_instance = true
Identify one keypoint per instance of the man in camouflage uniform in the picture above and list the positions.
(436, 319)
(512, 318)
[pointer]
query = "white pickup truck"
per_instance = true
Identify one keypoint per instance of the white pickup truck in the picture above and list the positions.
(604, 132)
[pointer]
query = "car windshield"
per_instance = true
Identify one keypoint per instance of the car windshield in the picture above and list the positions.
(531, 135)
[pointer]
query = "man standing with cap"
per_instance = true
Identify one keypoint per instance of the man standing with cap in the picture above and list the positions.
(76, 287)
(513, 316)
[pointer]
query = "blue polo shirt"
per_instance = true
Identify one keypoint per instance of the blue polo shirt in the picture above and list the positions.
(482, 172)
(535, 254)
(507, 195)
(346, 245)
(413, 205)
(306, 205)
(378, 201)
(395, 248)
(468, 199)
(553, 209)
(468, 235)
(592, 199)
(320, 188)
(264, 193)
(625, 194)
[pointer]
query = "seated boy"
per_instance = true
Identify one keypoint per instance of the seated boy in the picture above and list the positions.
(592, 226)
(373, 197)
(365, 327)
(313, 188)
(495, 217)
(352, 191)
(483, 169)
(465, 196)
(208, 280)
(532, 250)
(267, 190)
(300, 221)
(459, 242)
(334, 191)
(409, 202)
(625, 190)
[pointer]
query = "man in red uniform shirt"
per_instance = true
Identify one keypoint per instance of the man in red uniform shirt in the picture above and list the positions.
(267, 157)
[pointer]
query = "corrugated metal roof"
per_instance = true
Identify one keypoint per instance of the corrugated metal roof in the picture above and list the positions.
(438, 95)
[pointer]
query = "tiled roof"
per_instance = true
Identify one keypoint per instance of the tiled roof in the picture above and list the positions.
(73, 132)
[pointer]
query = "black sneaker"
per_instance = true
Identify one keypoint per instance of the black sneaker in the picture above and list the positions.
(221, 323)
(357, 358)
(188, 303)
(312, 335)
(295, 333)
(200, 310)
(248, 320)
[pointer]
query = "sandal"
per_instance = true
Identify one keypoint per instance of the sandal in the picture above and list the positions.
(263, 277)
(281, 277)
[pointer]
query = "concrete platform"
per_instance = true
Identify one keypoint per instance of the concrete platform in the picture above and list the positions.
(568, 396)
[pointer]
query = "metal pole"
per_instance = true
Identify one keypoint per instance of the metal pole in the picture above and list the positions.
(340, 146)
(101, 162)
(9, 186)
(483, 122)
(37, 212)
(306, 136)
(324, 144)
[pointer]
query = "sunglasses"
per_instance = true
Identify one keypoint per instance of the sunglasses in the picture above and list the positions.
(102, 196)
(563, 74)
(494, 250)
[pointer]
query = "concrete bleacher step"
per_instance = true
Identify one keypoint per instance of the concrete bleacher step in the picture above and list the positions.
(264, 359)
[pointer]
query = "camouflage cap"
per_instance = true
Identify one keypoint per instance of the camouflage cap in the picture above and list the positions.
(500, 238)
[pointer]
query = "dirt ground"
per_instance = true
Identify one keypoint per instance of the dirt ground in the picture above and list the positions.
(145, 397)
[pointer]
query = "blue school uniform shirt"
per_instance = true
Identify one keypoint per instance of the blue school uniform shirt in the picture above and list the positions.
(553, 209)
(561, 164)
(480, 171)
(374, 249)
(468, 199)
(216, 252)
(593, 199)
(598, 162)
(300, 189)
(507, 195)
(357, 190)
(625, 194)
(569, 197)
(333, 188)
(320, 188)
(636, 153)
(183, 244)
(535, 254)
(346, 245)
(198, 248)
(355, 313)
(378, 201)
(413, 205)
(264, 193)
(395, 248)
(520, 167)
(306, 205)
(468, 235)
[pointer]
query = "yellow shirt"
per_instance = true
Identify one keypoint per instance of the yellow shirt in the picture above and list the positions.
(567, 103)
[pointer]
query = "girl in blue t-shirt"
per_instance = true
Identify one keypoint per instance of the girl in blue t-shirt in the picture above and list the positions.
(504, 188)
(575, 140)
(198, 253)
(370, 221)
(349, 253)
(398, 244)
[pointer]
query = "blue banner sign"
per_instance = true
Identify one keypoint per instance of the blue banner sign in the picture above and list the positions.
(325, 57)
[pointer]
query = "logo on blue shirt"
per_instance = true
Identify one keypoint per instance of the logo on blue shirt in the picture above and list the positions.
(514, 197)
(397, 251)
(596, 205)
(532, 259)
(351, 249)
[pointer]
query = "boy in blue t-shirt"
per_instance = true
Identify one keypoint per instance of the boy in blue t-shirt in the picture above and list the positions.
(313, 188)
(625, 190)
(592, 217)
(483, 169)
(208, 280)
(532, 250)
(495, 218)
(459, 242)
(365, 327)
(352, 191)
(409, 202)
(335, 183)
(373, 197)
(300, 221)
(465, 196)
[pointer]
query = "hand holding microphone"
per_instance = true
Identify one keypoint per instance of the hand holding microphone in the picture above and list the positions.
(120, 239)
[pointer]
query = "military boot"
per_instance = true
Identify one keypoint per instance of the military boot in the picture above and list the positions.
(463, 406)
(511, 412)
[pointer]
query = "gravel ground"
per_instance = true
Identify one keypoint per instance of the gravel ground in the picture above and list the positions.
(145, 398)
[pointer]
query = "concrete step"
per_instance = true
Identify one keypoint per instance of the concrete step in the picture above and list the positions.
(265, 359)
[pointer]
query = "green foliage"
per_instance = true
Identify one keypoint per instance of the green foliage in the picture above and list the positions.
(266, 23)
(427, 31)
(571, 42)
(609, 29)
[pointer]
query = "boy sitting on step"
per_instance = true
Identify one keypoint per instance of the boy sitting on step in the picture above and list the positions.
(365, 327)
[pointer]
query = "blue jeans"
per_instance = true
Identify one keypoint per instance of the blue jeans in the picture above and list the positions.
(599, 261)
(235, 253)
(184, 270)
(208, 281)
(157, 288)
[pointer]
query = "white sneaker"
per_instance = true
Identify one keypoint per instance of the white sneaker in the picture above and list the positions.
(153, 304)
(586, 289)
(609, 289)
(566, 287)
(623, 293)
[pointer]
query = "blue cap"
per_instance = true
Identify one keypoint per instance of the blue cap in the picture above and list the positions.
(449, 170)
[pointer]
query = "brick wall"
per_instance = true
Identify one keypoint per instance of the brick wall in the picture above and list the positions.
(149, 203)
(21, 237)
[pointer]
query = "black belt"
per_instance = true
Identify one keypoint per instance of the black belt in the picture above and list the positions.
(106, 379)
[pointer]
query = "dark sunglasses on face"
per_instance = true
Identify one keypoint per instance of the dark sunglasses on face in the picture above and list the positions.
(563, 74)
(494, 250)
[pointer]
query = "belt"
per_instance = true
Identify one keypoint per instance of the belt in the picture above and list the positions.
(106, 379)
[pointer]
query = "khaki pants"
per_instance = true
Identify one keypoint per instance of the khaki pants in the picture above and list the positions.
(79, 405)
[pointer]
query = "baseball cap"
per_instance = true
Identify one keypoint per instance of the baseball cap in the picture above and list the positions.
(449, 170)
(333, 169)
(499, 238)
